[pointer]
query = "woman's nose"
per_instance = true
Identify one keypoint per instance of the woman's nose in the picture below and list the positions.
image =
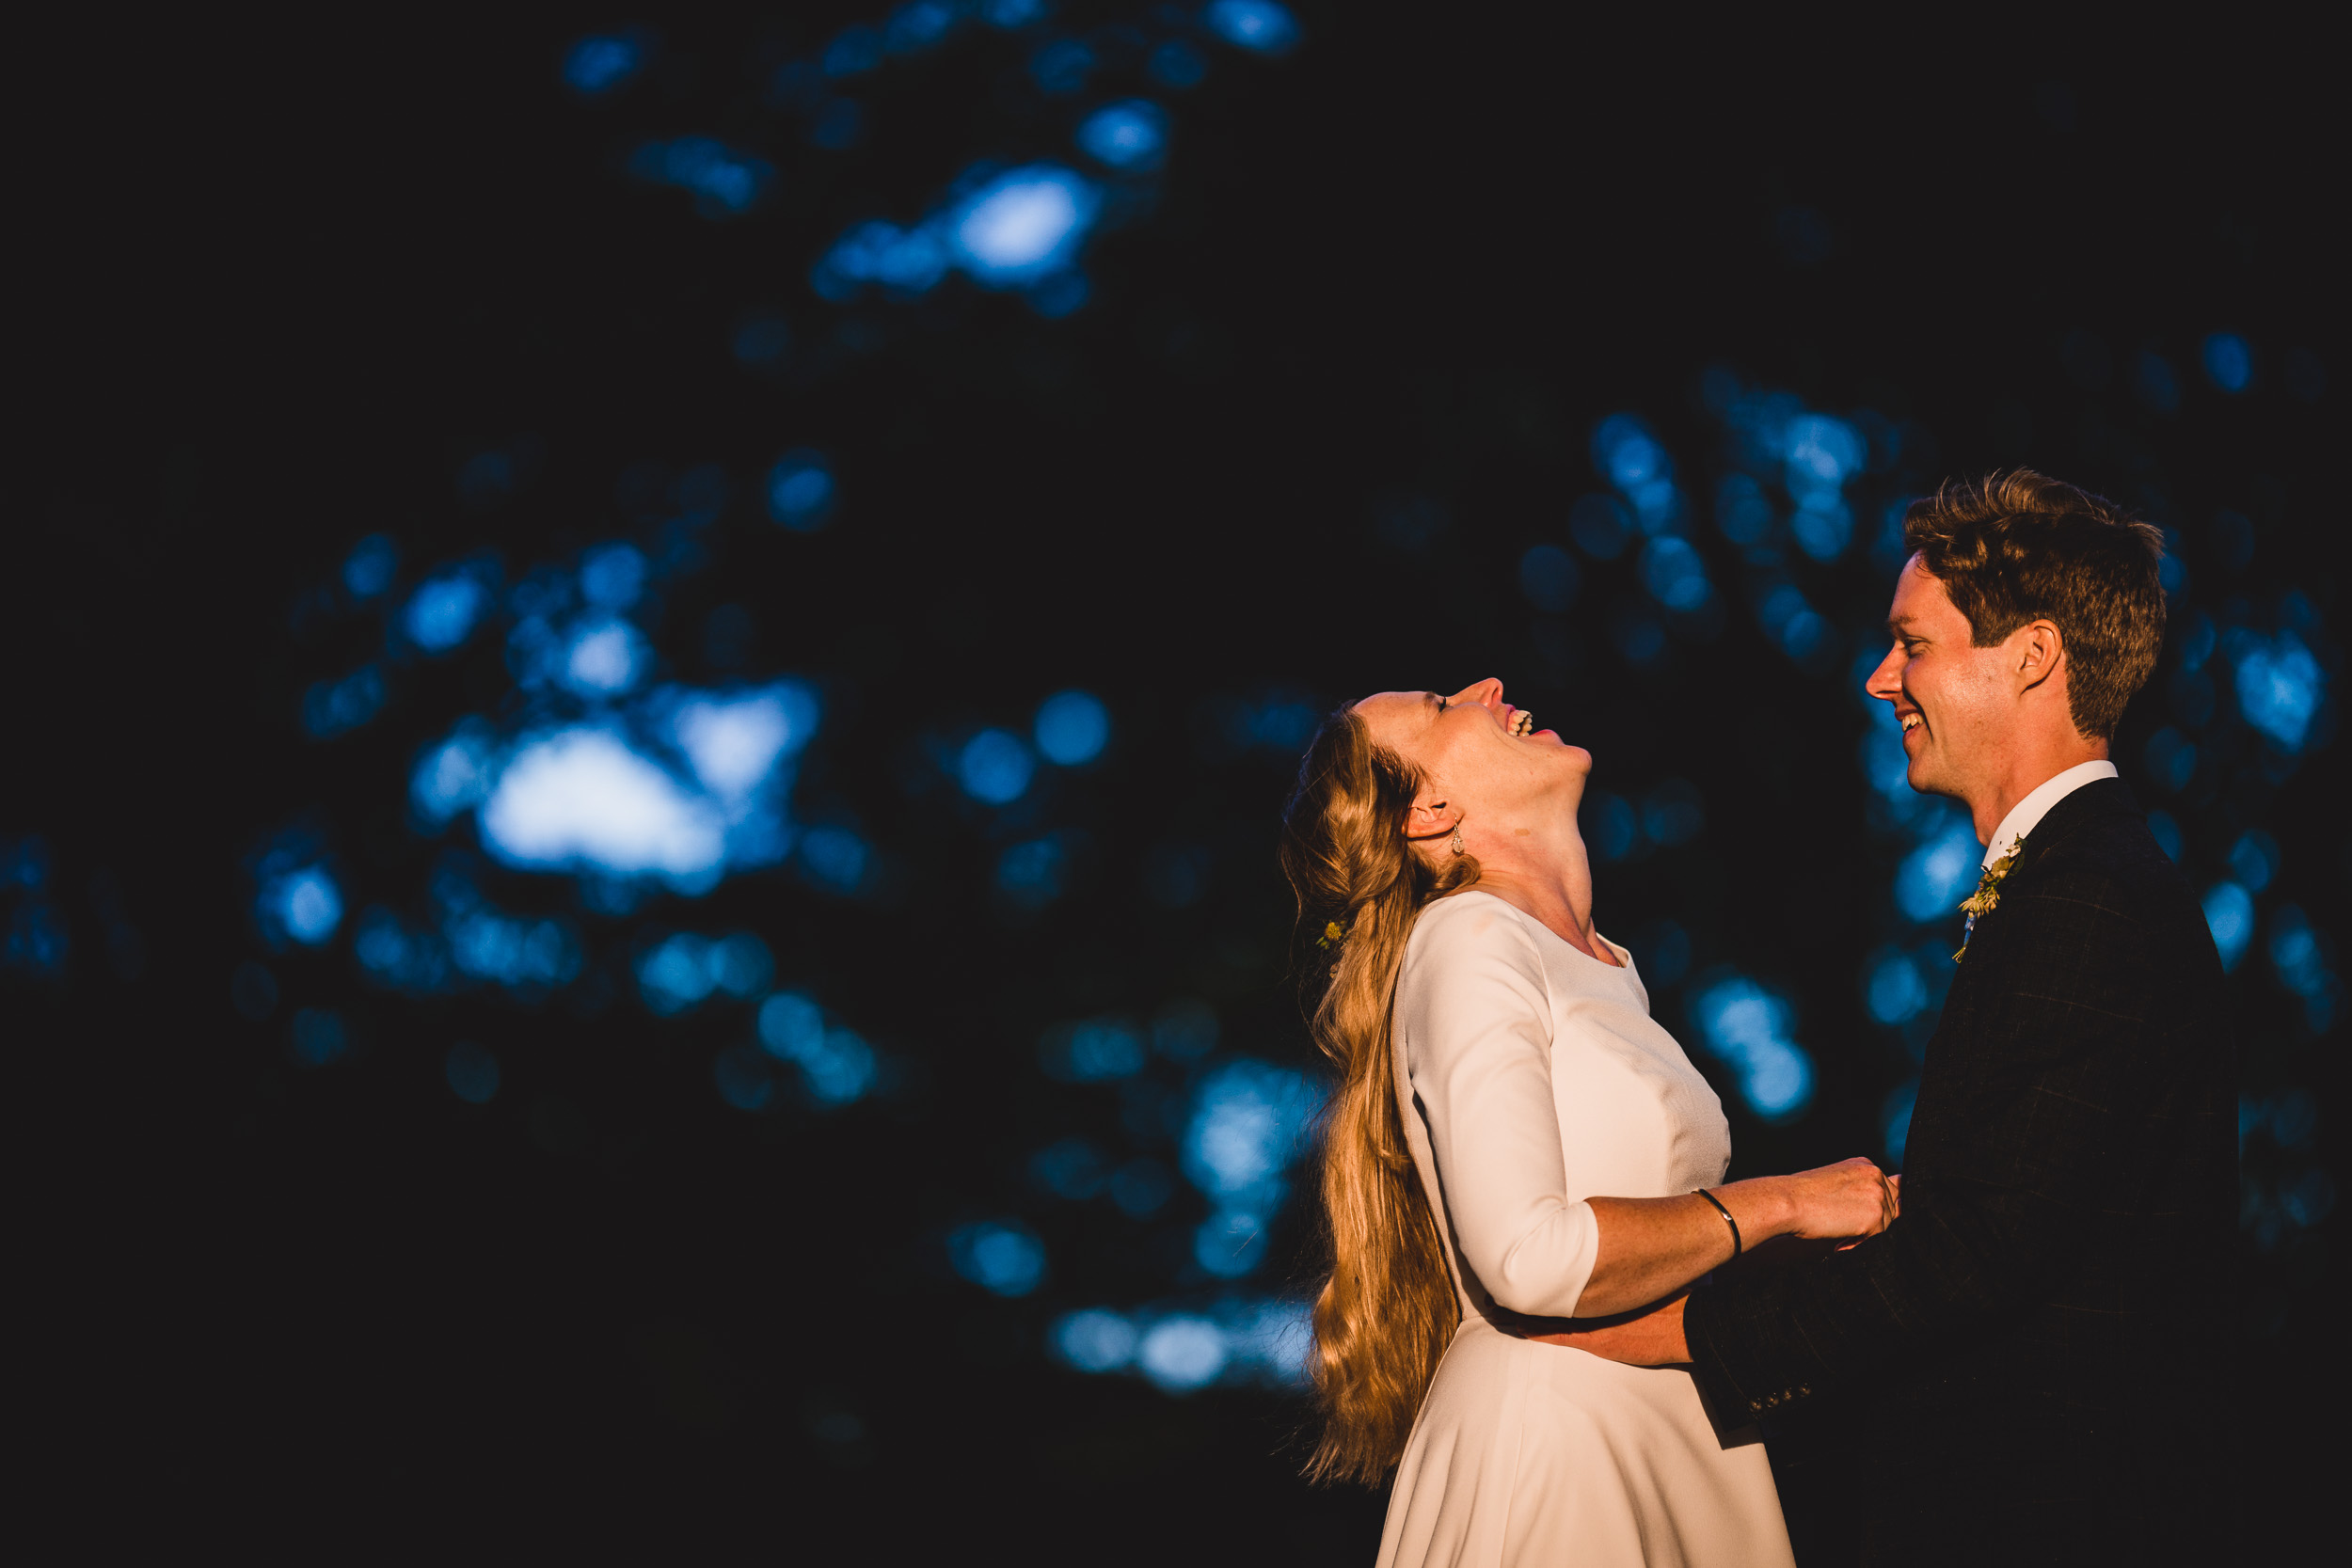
(1486, 693)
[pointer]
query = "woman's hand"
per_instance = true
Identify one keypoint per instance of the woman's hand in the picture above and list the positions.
(1846, 1201)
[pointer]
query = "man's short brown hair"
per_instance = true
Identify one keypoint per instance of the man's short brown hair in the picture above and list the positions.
(2022, 547)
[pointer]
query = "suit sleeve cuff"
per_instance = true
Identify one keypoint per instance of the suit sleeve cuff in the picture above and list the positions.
(1730, 1373)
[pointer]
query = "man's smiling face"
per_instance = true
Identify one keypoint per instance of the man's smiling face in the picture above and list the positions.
(1957, 701)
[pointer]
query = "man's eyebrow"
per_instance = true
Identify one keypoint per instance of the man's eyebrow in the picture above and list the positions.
(1895, 624)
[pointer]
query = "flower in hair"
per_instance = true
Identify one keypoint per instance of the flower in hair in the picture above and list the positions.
(1333, 934)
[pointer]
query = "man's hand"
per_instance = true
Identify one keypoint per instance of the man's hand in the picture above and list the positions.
(1648, 1339)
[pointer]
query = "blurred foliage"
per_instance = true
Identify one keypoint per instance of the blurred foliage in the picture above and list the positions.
(1338, 370)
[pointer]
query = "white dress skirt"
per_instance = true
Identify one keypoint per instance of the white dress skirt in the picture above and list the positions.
(1532, 1078)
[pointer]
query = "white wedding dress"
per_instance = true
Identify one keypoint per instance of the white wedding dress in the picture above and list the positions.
(1532, 1077)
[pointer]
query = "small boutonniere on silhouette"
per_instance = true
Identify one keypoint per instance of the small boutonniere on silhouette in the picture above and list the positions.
(1988, 894)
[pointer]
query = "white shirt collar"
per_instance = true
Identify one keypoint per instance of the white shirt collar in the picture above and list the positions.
(2027, 814)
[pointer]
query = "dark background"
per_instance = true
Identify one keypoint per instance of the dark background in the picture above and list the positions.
(285, 282)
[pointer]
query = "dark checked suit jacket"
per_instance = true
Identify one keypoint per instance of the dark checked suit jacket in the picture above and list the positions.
(2030, 1364)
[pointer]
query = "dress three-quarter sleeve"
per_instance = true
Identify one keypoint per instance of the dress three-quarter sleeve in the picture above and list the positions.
(1474, 1016)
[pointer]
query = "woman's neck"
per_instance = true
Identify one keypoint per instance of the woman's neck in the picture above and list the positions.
(1549, 877)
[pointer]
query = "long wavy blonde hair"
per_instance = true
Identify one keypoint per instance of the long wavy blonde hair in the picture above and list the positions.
(1388, 1312)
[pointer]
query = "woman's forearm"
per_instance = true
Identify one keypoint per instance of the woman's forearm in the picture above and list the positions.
(1650, 1247)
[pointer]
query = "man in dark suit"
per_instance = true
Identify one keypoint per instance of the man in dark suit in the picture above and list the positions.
(2030, 1364)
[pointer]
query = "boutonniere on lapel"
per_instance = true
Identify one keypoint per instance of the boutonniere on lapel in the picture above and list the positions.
(1988, 894)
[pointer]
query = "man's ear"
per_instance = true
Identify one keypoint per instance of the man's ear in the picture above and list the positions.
(2040, 653)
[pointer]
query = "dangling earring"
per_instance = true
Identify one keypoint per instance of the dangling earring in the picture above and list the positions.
(1457, 838)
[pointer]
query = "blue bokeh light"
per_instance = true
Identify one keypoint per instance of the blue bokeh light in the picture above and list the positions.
(1822, 528)
(1260, 26)
(1141, 1188)
(2253, 860)
(725, 182)
(1094, 1340)
(1031, 872)
(2298, 951)
(995, 767)
(1230, 1244)
(1884, 761)
(1791, 621)
(2229, 916)
(684, 969)
(1180, 1351)
(602, 64)
(1742, 511)
(791, 1026)
(1631, 458)
(2171, 759)
(1822, 453)
(800, 490)
(605, 658)
(1130, 136)
(1072, 1169)
(1183, 1352)
(2279, 689)
(1072, 728)
(612, 577)
(838, 1067)
(1095, 1051)
(305, 905)
(1893, 989)
(2302, 957)
(1894, 1119)
(523, 955)
(1060, 67)
(737, 743)
(1612, 826)
(1176, 64)
(1002, 1257)
(918, 25)
(835, 859)
(1750, 1029)
(443, 612)
(1023, 225)
(1934, 878)
(370, 566)
(331, 707)
(900, 260)
(452, 776)
(1674, 812)
(1674, 575)
(583, 798)
(853, 50)
(2229, 361)
(1247, 1124)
